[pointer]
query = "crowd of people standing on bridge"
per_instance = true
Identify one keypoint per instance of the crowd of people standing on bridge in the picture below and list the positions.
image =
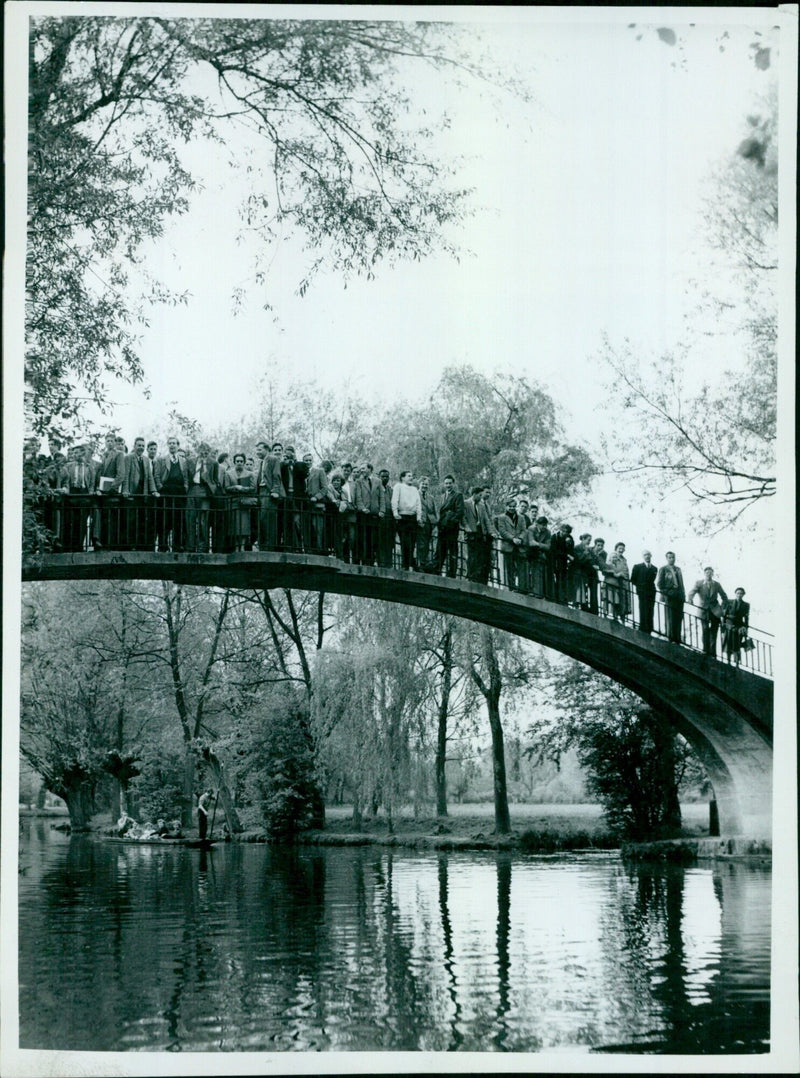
(150, 500)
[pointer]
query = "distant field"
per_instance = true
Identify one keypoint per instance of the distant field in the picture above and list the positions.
(468, 818)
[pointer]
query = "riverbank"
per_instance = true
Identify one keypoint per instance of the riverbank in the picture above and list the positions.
(537, 829)
(687, 851)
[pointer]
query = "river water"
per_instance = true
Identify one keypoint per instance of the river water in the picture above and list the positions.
(125, 947)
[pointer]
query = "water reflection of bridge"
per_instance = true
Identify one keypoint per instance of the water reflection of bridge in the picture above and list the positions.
(724, 712)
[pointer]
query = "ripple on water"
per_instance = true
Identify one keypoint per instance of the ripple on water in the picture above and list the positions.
(353, 949)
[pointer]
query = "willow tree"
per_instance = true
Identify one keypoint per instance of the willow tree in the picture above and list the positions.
(502, 430)
(112, 101)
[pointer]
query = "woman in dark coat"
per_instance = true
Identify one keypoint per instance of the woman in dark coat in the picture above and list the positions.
(735, 624)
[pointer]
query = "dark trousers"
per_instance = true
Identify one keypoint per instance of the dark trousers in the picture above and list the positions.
(107, 520)
(198, 508)
(483, 546)
(447, 551)
(674, 618)
(710, 623)
(424, 533)
(364, 551)
(386, 531)
(348, 532)
(647, 601)
(172, 510)
(407, 530)
(133, 523)
(590, 590)
(202, 823)
(316, 541)
(290, 523)
(267, 522)
(76, 510)
(477, 558)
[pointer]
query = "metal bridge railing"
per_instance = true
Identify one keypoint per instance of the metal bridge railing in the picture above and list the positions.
(57, 523)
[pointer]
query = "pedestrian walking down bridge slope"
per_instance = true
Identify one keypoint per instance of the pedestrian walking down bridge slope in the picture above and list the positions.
(724, 711)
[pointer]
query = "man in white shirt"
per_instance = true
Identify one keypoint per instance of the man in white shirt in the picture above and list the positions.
(407, 511)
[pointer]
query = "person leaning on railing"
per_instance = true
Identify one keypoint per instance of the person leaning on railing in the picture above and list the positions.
(537, 539)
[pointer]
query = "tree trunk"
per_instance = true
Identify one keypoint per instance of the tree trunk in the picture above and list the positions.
(216, 769)
(116, 799)
(502, 817)
(357, 819)
(441, 736)
(79, 798)
(41, 797)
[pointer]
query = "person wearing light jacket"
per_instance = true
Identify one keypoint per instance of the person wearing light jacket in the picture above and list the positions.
(407, 511)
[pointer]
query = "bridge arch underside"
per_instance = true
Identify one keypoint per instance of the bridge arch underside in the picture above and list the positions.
(725, 713)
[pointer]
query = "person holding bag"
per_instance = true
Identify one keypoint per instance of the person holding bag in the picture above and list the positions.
(735, 625)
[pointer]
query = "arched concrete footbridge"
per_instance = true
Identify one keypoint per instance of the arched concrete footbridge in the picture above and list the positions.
(724, 712)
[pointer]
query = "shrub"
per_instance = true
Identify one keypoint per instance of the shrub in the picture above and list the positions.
(282, 782)
(158, 790)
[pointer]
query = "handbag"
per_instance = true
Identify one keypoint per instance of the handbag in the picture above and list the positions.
(748, 644)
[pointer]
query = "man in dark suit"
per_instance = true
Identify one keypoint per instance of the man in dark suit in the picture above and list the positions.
(371, 507)
(430, 515)
(451, 514)
(643, 578)
(108, 487)
(471, 532)
(171, 477)
(270, 495)
(77, 482)
(347, 519)
(669, 582)
(387, 525)
(137, 483)
(293, 476)
(203, 487)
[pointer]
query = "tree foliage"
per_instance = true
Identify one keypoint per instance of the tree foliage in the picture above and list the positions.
(500, 430)
(636, 762)
(322, 115)
(281, 774)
